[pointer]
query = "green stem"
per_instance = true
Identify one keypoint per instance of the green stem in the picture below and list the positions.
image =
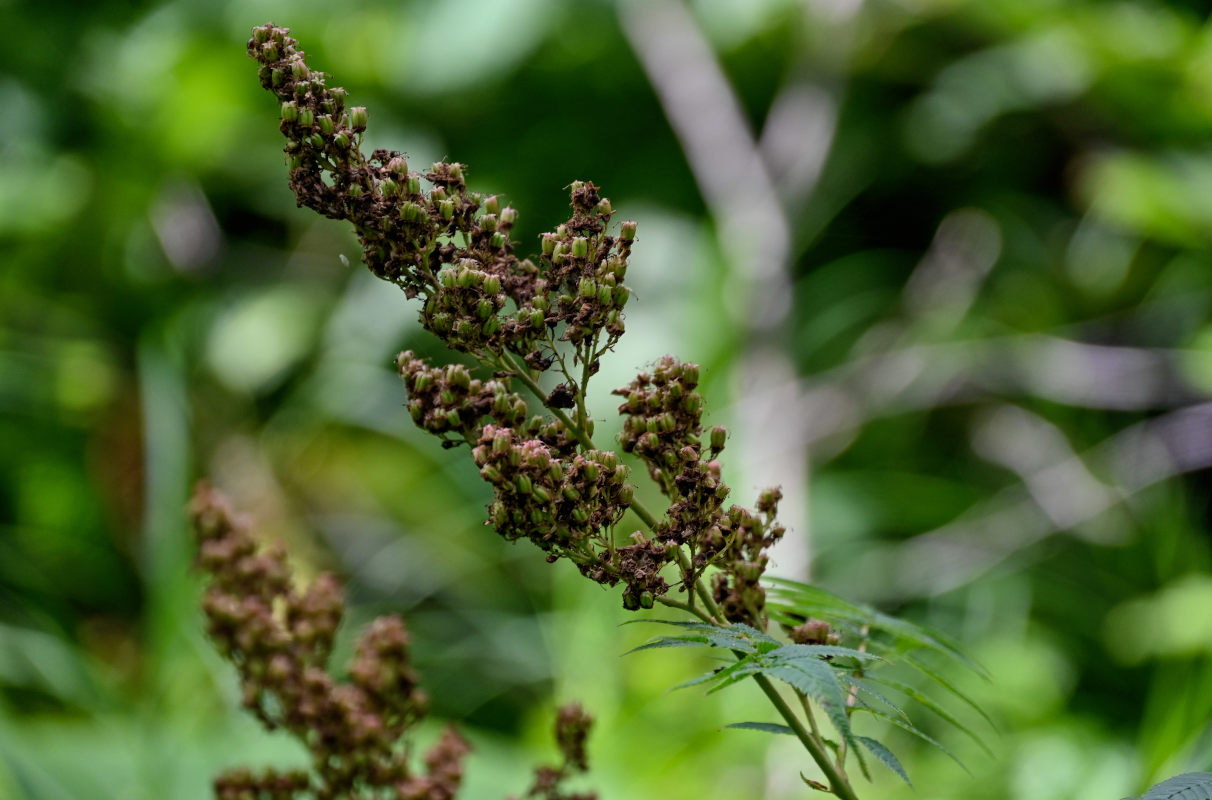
(837, 780)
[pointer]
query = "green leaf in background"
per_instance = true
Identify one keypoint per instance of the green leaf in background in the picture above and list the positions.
(1188, 786)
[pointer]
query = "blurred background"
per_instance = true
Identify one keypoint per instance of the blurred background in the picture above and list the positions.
(945, 264)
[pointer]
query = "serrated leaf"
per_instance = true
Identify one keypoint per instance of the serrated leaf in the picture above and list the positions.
(926, 701)
(864, 689)
(885, 757)
(913, 729)
(720, 674)
(1188, 786)
(819, 651)
(671, 641)
(949, 686)
(765, 727)
(816, 680)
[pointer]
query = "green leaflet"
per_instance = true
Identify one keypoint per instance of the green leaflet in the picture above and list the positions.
(914, 694)
(885, 757)
(1188, 786)
(913, 729)
(765, 727)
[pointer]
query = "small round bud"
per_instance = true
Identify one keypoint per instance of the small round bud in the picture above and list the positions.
(620, 295)
(718, 435)
(341, 140)
(446, 209)
(549, 244)
(605, 296)
(388, 187)
(414, 184)
(307, 117)
(579, 515)
(646, 599)
(484, 309)
(587, 288)
(627, 231)
(488, 222)
(455, 171)
(358, 118)
(399, 166)
(270, 51)
(497, 241)
(316, 140)
(509, 215)
(580, 247)
(537, 319)
(452, 418)
(327, 126)
(447, 278)
(298, 69)
(290, 111)
(492, 205)
(492, 284)
(523, 484)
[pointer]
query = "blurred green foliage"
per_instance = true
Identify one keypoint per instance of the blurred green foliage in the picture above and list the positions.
(1001, 285)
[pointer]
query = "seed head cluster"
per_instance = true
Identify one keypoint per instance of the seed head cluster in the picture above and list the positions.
(449, 245)
(558, 311)
(280, 640)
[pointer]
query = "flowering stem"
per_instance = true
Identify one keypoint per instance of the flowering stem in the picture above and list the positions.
(810, 739)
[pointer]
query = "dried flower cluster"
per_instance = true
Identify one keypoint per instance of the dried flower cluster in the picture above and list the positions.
(451, 247)
(280, 639)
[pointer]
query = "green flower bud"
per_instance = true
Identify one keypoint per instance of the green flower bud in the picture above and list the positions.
(537, 319)
(399, 166)
(626, 494)
(456, 172)
(358, 118)
(549, 244)
(422, 382)
(646, 599)
(591, 471)
(438, 193)
(692, 403)
(411, 212)
(446, 209)
(523, 484)
(458, 376)
(341, 140)
(416, 410)
(630, 601)
(452, 418)
(447, 278)
(571, 493)
(488, 222)
(542, 495)
(604, 208)
(490, 326)
(327, 126)
(442, 322)
(294, 162)
(667, 422)
(690, 374)
(579, 515)
(290, 111)
(388, 187)
(587, 288)
(497, 241)
(509, 215)
(298, 69)
(492, 284)
(605, 296)
(470, 277)
(650, 442)
(492, 205)
(277, 77)
(580, 247)
(447, 397)
(270, 51)
(484, 309)
(466, 329)
(316, 140)
(414, 184)
(627, 231)
(307, 117)
(718, 435)
(490, 473)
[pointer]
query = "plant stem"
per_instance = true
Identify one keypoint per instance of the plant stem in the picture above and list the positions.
(837, 780)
